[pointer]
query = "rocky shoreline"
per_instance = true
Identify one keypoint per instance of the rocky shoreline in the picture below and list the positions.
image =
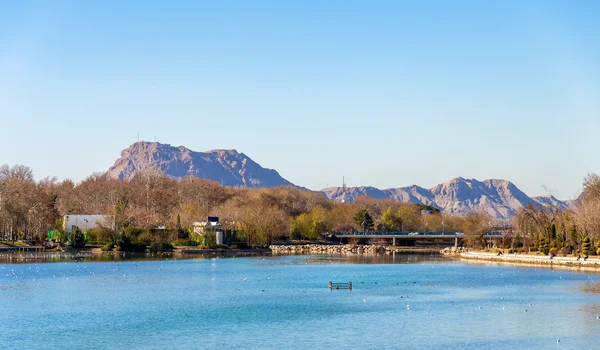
(299, 249)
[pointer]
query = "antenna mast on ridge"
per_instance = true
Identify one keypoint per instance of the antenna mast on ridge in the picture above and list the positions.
(343, 189)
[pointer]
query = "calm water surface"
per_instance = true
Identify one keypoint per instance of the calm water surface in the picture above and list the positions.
(406, 302)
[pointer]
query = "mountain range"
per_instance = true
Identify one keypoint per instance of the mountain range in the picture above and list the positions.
(499, 198)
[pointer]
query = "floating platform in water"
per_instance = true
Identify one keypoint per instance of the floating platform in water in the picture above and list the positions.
(340, 285)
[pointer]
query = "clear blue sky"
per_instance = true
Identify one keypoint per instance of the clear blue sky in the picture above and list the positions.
(386, 93)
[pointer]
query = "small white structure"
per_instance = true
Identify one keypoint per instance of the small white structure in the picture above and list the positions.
(87, 222)
(210, 228)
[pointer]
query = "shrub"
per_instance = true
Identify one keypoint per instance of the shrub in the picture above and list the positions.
(586, 246)
(108, 248)
(125, 245)
(99, 235)
(160, 247)
(146, 237)
(544, 247)
(136, 234)
(517, 242)
(553, 251)
(182, 242)
(182, 234)
(296, 235)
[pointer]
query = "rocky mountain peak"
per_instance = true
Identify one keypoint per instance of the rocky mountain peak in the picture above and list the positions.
(228, 167)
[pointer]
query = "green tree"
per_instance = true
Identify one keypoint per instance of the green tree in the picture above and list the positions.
(573, 235)
(428, 207)
(544, 246)
(309, 225)
(181, 233)
(77, 239)
(363, 219)
(409, 217)
(391, 220)
(369, 223)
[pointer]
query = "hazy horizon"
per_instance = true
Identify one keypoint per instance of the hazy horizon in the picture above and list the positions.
(386, 94)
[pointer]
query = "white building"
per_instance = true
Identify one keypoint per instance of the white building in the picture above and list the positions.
(210, 228)
(87, 222)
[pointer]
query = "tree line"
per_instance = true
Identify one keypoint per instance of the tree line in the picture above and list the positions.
(556, 230)
(29, 208)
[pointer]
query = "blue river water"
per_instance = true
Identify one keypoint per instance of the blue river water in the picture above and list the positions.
(410, 302)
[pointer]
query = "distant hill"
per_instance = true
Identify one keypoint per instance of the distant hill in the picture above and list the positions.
(228, 167)
(499, 198)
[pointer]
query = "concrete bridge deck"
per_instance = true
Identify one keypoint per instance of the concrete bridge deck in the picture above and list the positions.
(411, 236)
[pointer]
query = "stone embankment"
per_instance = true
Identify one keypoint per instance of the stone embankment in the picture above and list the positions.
(452, 250)
(523, 258)
(327, 249)
(346, 249)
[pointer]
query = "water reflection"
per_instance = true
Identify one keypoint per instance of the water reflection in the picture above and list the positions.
(15, 257)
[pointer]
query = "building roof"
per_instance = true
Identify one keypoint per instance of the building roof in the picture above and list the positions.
(207, 223)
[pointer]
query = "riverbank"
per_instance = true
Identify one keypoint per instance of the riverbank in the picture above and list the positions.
(224, 252)
(21, 249)
(524, 259)
(319, 249)
(176, 250)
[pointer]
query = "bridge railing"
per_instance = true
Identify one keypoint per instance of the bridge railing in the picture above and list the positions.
(396, 233)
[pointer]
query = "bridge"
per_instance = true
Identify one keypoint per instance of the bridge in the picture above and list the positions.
(412, 236)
